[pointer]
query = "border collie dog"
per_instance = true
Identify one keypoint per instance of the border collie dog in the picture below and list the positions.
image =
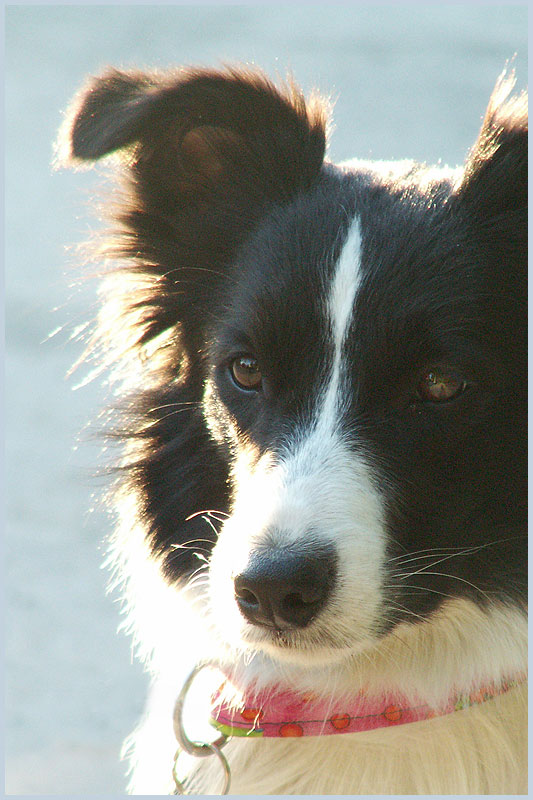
(320, 375)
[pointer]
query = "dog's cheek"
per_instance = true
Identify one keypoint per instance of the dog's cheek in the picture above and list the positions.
(250, 517)
(228, 557)
(218, 420)
(356, 611)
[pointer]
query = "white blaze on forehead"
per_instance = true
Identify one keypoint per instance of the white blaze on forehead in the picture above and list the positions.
(319, 443)
(344, 288)
(340, 312)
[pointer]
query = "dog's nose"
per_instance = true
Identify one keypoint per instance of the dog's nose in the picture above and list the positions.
(283, 589)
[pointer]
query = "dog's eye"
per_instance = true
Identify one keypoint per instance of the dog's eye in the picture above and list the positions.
(246, 373)
(439, 386)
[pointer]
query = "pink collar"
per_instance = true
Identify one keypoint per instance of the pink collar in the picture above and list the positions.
(288, 714)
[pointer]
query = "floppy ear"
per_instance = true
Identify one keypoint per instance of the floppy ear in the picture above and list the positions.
(495, 177)
(204, 154)
(199, 126)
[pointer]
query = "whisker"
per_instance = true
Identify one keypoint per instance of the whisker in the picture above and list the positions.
(436, 553)
(206, 519)
(197, 572)
(421, 589)
(463, 580)
(180, 551)
(166, 416)
(400, 607)
(176, 404)
(185, 545)
(427, 553)
(197, 580)
(467, 551)
(197, 269)
(209, 512)
(430, 551)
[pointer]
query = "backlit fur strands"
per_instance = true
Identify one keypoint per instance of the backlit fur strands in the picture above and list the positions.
(323, 478)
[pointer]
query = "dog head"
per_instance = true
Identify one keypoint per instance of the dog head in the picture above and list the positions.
(331, 398)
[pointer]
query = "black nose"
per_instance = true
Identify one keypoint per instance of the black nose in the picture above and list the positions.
(283, 589)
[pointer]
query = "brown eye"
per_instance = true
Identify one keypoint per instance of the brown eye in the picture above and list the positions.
(439, 386)
(245, 372)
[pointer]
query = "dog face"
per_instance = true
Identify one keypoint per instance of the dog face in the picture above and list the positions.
(332, 398)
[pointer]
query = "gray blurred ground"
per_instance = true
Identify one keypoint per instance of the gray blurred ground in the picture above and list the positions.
(411, 81)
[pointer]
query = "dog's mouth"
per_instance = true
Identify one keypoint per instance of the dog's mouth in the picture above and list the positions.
(315, 643)
(283, 639)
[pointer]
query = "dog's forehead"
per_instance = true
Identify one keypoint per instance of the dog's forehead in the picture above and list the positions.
(296, 246)
(275, 300)
(286, 271)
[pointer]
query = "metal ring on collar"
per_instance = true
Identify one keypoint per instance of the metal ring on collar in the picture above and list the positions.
(213, 750)
(194, 748)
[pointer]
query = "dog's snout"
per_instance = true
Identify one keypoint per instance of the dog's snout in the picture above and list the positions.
(282, 589)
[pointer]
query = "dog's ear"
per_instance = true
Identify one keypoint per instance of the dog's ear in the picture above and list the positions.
(202, 155)
(495, 177)
(192, 130)
(494, 196)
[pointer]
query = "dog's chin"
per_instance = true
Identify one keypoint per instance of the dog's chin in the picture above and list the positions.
(300, 648)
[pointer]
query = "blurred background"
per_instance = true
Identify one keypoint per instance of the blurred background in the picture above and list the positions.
(408, 80)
